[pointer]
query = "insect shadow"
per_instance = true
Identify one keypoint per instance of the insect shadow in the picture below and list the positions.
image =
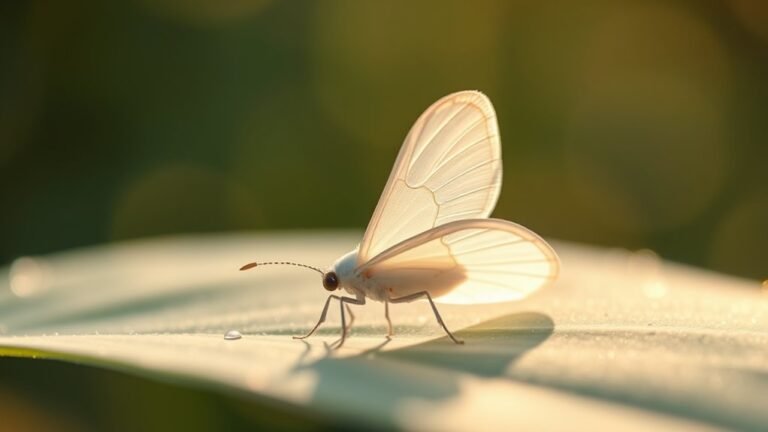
(429, 370)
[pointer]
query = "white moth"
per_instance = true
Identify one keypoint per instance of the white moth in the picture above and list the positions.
(430, 236)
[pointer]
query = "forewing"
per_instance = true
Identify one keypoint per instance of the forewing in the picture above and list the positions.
(448, 169)
(467, 262)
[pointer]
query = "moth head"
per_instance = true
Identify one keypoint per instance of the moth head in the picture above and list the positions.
(330, 281)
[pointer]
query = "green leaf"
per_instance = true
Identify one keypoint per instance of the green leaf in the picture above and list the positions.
(622, 340)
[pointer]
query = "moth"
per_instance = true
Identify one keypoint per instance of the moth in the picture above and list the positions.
(430, 236)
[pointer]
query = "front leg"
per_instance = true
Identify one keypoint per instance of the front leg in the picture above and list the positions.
(343, 303)
(322, 317)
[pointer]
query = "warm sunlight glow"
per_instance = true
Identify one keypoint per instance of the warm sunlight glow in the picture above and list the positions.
(27, 277)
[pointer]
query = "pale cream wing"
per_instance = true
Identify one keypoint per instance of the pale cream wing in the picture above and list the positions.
(466, 262)
(448, 169)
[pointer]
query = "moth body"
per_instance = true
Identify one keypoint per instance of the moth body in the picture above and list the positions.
(349, 280)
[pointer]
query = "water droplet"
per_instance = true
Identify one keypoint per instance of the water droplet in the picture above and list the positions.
(233, 335)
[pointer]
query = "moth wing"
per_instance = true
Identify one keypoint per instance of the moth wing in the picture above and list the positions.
(448, 169)
(467, 262)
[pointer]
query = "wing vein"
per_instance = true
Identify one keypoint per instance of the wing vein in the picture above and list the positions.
(468, 193)
(503, 285)
(503, 263)
(464, 133)
(454, 215)
(464, 150)
(524, 274)
(509, 243)
(470, 235)
(426, 145)
(463, 173)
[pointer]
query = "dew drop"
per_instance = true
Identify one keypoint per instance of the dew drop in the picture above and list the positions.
(233, 335)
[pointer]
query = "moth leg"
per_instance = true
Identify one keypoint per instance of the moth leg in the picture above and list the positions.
(322, 317)
(351, 317)
(343, 304)
(411, 297)
(389, 321)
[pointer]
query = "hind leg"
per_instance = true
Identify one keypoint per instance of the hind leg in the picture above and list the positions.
(415, 296)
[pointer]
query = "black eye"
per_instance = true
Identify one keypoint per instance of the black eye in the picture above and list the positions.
(330, 281)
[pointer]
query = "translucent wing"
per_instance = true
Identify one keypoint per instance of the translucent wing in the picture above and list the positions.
(466, 262)
(448, 169)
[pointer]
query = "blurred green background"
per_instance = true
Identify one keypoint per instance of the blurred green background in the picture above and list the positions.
(637, 124)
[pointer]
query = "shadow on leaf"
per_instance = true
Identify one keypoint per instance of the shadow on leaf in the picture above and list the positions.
(419, 371)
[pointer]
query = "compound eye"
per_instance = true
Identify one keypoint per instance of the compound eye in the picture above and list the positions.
(330, 281)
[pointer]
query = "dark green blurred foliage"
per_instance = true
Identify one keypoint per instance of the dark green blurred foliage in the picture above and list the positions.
(91, 399)
(633, 124)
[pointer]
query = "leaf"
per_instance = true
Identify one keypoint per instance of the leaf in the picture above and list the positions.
(623, 340)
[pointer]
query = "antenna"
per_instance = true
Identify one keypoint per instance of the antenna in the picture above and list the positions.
(257, 264)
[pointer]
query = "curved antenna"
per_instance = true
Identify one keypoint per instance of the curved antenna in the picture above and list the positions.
(257, 264)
